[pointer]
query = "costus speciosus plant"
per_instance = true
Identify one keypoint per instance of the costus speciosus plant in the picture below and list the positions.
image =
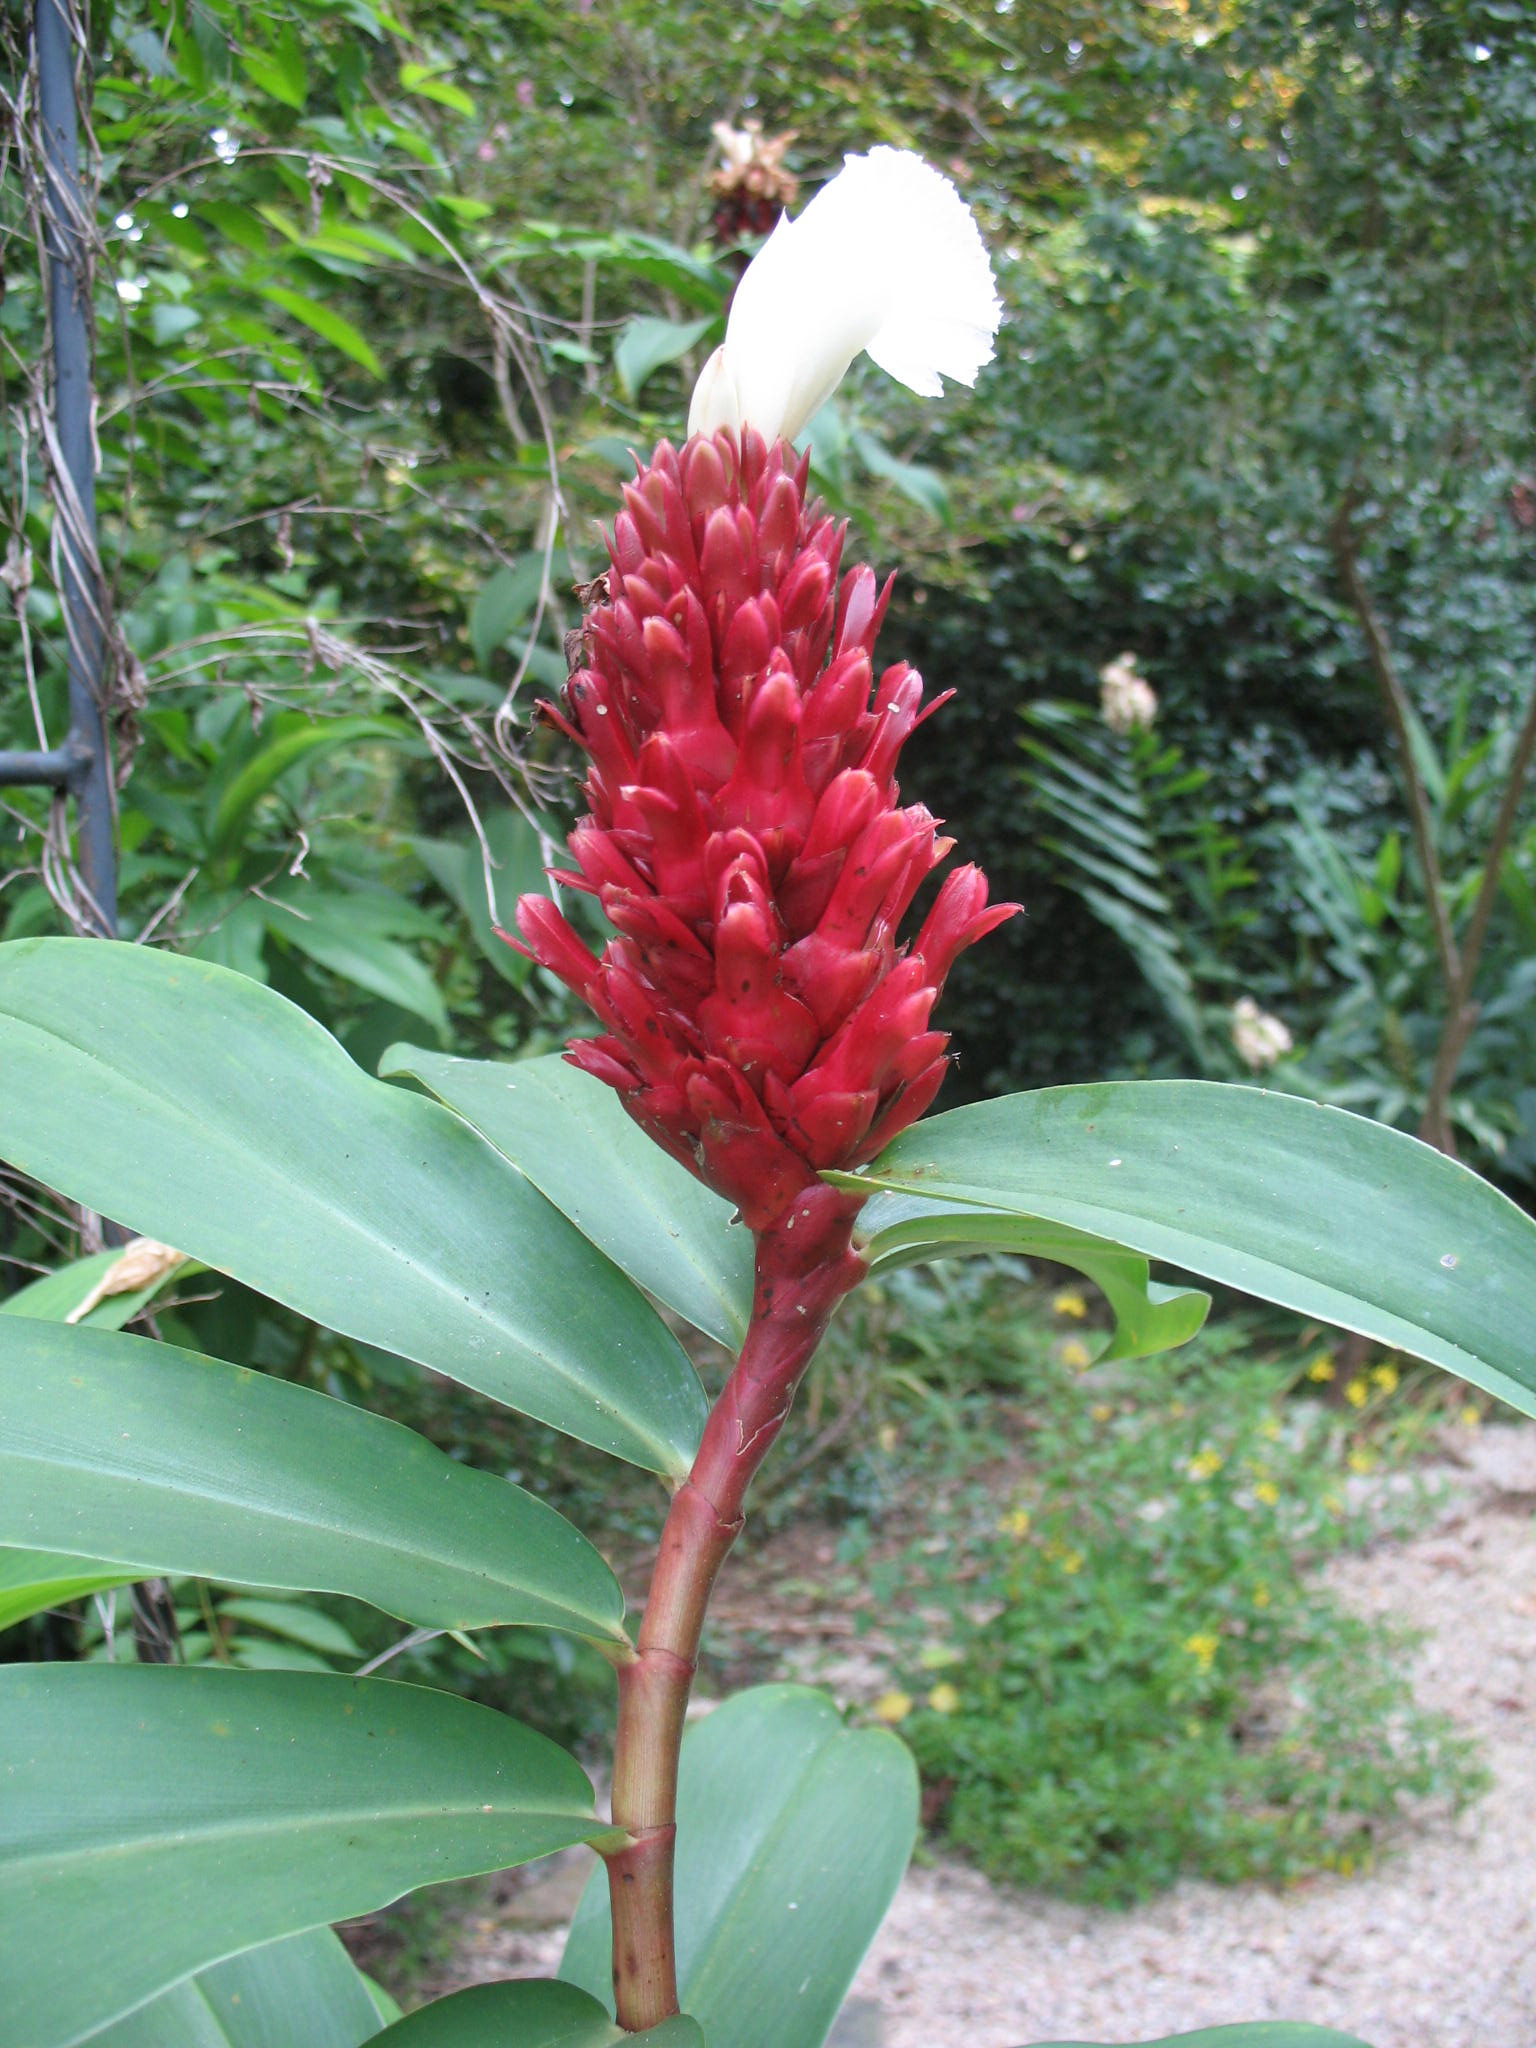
(748, 1134)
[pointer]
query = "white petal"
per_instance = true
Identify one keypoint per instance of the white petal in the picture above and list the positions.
(887, 257)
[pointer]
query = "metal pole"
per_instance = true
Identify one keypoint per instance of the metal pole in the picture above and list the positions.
(67, 226)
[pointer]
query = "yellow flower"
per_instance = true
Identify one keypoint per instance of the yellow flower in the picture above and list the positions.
(1333, 1504)
(1360, 1461)
(1101, 1411)
(887, 1437)
(1015, 1523)
(1385, 1377)
(1268, 1492)
(1321, 1368)
(1072, 1562)
(1205, 1464)
(1203, 1649)
(892, 1707)
(1357, 1393)
(944, 1699)
(935, 1656)
(1270, 1428)
(1070, 1303)
(1261, 1596)
(1471, 1415)
(1177, 1410)
(1076, 1354)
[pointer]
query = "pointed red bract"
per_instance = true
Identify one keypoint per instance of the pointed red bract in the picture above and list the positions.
(745, 839)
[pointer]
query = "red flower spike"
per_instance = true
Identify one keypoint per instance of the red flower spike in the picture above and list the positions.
(745, 837)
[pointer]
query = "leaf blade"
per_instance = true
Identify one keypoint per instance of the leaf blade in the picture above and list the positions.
(365, 1207)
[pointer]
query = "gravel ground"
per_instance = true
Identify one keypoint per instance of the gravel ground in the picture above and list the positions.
(1437, 1949)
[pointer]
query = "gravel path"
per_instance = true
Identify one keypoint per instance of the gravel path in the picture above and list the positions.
(1437, 1949)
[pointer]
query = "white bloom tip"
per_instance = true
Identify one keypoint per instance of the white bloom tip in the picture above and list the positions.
(888, 259)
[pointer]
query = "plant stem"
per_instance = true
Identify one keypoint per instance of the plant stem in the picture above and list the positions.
(805, 1265)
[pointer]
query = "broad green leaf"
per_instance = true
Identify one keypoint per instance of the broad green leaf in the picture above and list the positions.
(317, 923)
(894, 1230)
(225, 1121)
(309, 1627)
(1323, 1212)
(1257, 2034)
(457, 867)
(427, 80)
(289, 738)
(793, 1833)
(170, 1816)
(122, 1451)
(325, 321)
(56, 1296)
(506, 600)
(646, 343)
(32, 1581)
(531, 2014)
(280, 70)
(302, 1992)
(570, 1136)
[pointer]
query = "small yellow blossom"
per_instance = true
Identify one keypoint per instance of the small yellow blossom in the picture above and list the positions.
(937, 1656)
(1072, 1562)
(1203, 1649)
(1177, 1410)
(892, 1707)
(1385, 1377)
(1070, 1303)
(1268, 1492)
(1194, 1730)
(1471, 1415)
(1261, 1596)
(944, 1699)
(1357, 1393)
(1333, 1504)
(1205, 1464)
(887, 1437)
(1076, 1354)
(1269, 1428)
(1360, 1461)
(1321, 1368)
(1015, 1523)
(1101, 1411)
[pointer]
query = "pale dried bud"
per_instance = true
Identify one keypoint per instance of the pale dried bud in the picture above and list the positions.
(143, 1263)
(1127, 700)
(1259, 1038)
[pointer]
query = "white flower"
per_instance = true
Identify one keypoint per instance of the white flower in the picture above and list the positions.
(1259, 1038)
(1127, 700)
(887, 259)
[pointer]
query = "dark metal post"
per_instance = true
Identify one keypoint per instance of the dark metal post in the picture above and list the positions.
(87, 757)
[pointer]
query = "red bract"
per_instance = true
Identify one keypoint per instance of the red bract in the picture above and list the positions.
(745, 839)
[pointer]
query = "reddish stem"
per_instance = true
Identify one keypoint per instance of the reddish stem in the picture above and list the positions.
(804, 1267)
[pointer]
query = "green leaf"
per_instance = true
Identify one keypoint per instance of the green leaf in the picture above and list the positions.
(169, 323)
(304, 1990)
(32, 1581)
(458, 869)
(295, 1623)
(325, 321)
(170, 1816)
(1323, 1212)
(279, 70)
(225, 1121)
(533, 2014)
(54, 1297)
(319, 924)
(426, 80)
(289, 738)
(505, 600)
(894, 1230)
(646, 343)
(1257, 2034)
(793, 1833)
(138, 1454)
(570, 1136)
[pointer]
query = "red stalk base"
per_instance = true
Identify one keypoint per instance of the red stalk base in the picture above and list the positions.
(805, 1265)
